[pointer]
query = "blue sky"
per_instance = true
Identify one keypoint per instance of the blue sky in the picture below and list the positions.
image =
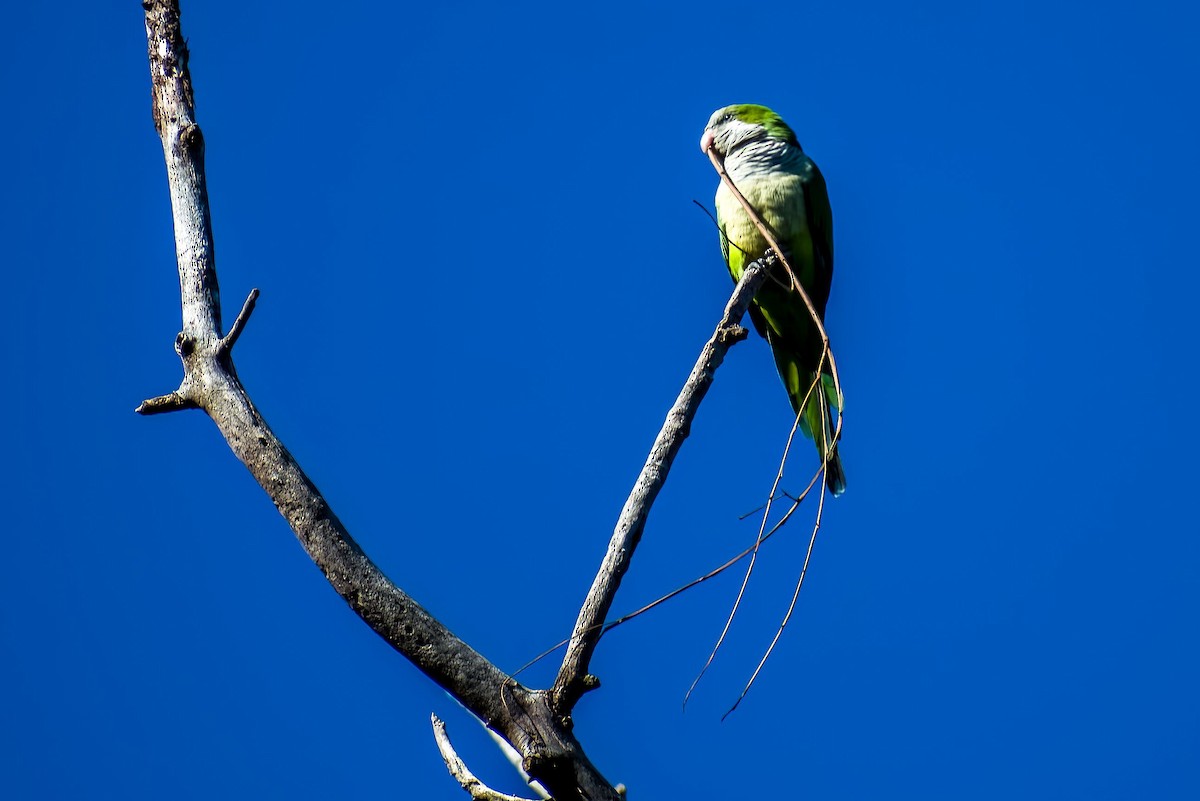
(484, 280)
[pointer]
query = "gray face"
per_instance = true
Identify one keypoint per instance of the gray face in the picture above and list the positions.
(725, 132)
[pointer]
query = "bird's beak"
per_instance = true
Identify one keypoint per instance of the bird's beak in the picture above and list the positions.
(706, 141)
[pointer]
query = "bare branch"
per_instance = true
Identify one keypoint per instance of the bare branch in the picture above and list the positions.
(550, 753)
(183, 148)
(217, 390)
(459, 770)
(572, 679)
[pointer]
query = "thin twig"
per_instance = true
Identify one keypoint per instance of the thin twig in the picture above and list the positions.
(459, 770)
(823, 472)
(239, 324)
(609, 626)
(737, 601)
(799, 582)
(715, 571)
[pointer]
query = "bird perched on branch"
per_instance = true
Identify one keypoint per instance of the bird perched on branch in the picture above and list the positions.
(765, 162)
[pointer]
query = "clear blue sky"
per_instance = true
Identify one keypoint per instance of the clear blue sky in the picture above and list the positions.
(483, 281)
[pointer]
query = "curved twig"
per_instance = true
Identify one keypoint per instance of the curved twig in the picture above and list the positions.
(812, 540)
(716, 571)
(758, 540)
(459, 770)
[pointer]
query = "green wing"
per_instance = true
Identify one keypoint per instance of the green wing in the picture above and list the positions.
(810, 253)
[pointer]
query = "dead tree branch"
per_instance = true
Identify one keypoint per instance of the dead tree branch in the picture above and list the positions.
(524, 717)
(536, 723)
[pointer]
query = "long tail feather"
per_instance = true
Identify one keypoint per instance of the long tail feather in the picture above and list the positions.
(818, 415)
(819, 405)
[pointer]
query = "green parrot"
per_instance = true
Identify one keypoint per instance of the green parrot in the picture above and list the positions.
(785, 187)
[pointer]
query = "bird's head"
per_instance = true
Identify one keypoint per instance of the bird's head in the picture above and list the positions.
(732, 127)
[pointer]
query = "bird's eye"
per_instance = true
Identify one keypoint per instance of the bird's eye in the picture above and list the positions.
(727, 118)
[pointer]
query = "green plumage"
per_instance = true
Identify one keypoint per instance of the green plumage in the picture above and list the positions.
(767, 165)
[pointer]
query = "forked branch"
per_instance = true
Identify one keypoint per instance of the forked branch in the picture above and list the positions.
(522, 716)
(535, 722)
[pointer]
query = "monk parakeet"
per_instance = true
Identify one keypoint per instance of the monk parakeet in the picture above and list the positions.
(785, 187)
